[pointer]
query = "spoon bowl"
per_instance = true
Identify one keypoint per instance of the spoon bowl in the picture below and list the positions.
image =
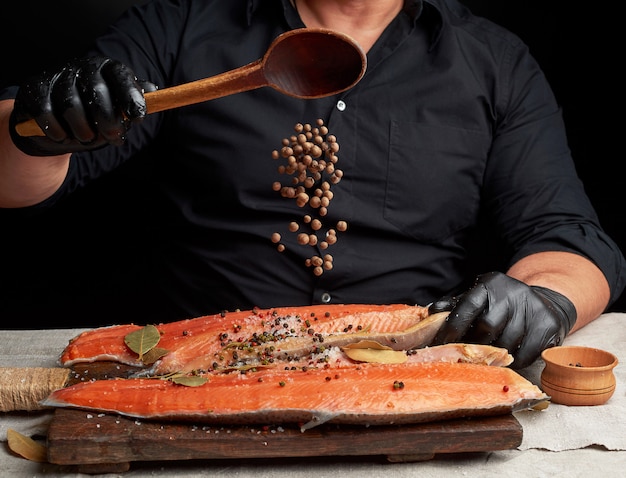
(313, 63)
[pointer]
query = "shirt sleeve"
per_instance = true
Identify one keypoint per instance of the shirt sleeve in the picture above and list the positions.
(534, 195)
(8, 93)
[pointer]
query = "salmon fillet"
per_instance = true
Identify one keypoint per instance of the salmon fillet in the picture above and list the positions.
(367, 394)
(229, 339)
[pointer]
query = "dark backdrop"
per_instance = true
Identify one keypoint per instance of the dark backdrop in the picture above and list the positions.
(570, 43)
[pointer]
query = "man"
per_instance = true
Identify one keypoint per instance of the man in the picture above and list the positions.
(452, 121)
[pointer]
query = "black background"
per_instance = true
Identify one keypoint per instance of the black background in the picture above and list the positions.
(571, 44)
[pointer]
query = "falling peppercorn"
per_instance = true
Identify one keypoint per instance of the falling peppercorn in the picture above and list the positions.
(311, 161)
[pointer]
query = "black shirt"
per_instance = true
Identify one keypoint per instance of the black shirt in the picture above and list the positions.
(452, 128)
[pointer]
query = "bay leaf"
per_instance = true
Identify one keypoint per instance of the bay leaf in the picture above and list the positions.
(26, 447)
(153, 355)
(373, 352)
(366, 344)
(143, 340)
(189, 380)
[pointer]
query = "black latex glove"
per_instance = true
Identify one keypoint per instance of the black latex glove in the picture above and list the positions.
(86, 105)
(501, 311)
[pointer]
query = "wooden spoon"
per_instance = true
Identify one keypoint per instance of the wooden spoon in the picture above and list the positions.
(304, 63)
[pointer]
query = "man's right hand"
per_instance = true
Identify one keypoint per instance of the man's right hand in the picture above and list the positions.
(88, 104)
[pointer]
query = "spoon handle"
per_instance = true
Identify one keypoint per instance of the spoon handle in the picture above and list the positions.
(244, 78)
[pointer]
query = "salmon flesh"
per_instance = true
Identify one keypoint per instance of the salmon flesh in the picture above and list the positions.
(353, 364)
(366, 394)
(260, 336)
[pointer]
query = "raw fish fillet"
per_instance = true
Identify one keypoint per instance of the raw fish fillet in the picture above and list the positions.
(260, 336)
(367, 394)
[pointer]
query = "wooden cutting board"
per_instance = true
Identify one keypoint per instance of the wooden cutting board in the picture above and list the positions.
(109, 443)
(102, 443)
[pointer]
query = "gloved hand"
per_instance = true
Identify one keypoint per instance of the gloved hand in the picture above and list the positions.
(501, 311)
(90, 103)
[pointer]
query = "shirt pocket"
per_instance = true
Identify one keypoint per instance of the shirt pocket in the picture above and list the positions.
(434, 179)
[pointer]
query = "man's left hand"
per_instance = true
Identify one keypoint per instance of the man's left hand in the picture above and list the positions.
(504, 312)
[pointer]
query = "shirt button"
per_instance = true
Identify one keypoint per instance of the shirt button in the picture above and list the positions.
(341, 105)
(326, 297)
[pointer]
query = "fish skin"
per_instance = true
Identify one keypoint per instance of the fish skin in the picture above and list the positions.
(465, 353)
(194, 344)
(363, 394)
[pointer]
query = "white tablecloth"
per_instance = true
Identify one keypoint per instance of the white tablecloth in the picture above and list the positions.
(559, 441)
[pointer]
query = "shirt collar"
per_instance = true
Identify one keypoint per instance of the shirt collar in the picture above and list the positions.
(429, 14)
(433, 18)
(428, 11)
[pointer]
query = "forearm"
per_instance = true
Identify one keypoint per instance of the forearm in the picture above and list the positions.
(572, 275)
(25, 180)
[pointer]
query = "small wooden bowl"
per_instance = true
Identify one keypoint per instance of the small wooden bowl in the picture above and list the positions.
(576, 375)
